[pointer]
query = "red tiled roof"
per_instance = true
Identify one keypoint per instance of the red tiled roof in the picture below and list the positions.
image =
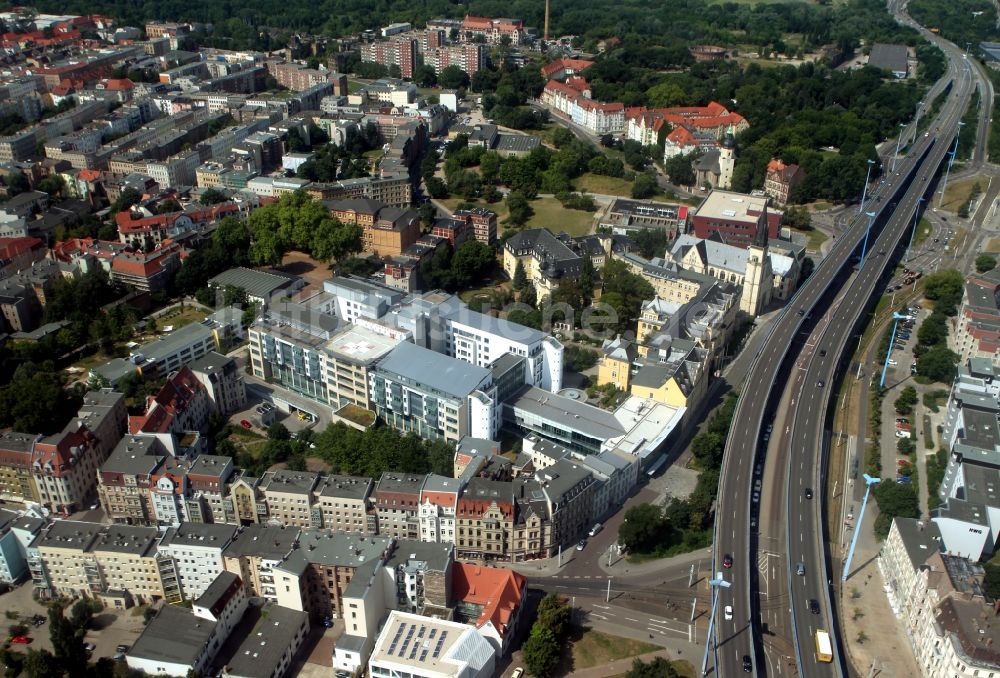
(13, 247)
(578, 83)
(574, 65)
(89, 174)
(118, 84)
(175, 397)
(499, 591)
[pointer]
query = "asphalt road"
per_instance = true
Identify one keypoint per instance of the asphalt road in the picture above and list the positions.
(742, 487)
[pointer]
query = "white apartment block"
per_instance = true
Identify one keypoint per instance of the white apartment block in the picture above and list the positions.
(196, 550)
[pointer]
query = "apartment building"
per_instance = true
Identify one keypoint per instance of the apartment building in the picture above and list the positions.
(484, 520)
(470, 57)
(270, 647)
(939, 600)
(64, 469)
(977, 327)
(438, 502)
(178, 641)
(315, 576)
(13, 564)
(124, 479)
(492, 600)
(344, 504)
(397, 505)
(416, 389)
(781, 179)
(399, 51)
(254, 552)
(73, 558)
(287, 346)
(16, 482)
(968, 515)
(222, 380)
(351, 356)
(289, 497)
(196, 551)
(569, 489)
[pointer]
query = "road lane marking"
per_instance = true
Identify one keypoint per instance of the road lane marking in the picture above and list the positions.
(630, 619)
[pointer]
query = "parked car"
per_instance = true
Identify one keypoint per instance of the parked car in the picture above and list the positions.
(21, 640)
(518, 672)
(582, 544)
(728, 612)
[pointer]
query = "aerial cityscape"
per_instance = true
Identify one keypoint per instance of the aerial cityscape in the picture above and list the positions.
(500, 340)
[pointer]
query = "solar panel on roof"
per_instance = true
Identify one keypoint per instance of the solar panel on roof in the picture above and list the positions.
(423, 655)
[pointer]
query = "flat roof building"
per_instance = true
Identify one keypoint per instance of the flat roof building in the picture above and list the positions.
(430, 648)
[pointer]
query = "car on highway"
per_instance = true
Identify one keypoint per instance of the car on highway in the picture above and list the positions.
(801, 312)
(820, 384)
(727, 561)
(582, 544)
(747, 664)
(800, 569)
(728, 612)
(822, 353)
(814, 606)
(809, 493)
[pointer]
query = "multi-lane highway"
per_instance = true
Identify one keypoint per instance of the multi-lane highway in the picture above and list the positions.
(791, 524)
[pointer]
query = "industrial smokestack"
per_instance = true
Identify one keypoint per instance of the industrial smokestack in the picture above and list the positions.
(546, 21)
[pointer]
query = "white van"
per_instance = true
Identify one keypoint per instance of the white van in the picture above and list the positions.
(595, 529)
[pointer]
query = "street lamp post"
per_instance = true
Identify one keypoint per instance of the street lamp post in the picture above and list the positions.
(896, 317)
(951, 161)
(869, 481)
(864, 193)
(916, 218)
(902, 128)
(864, 246)
(716, 584)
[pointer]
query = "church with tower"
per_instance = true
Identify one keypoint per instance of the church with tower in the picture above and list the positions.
(714, 168)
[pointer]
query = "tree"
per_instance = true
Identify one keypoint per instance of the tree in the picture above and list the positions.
(472, 263)
(453, 77)
(554, 613)
(643, 528)
(587, 274)
(991, 582)
(169, 206)
(894, 499)
(277, 431)
(906, 400)
(42, 664)
(657, 668)
(519, 209)
(67, 640)
(234, 296)
(541, 651)
(945, 289)
(644, 186)
(985, 262)
(624, 291)
(436, 188)
(933, 330)
(562, 137)
(938, 363)
(212, 196)
(520, 280)
(424, 76)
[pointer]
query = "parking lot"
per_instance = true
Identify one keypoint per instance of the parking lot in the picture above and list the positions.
(109, 628)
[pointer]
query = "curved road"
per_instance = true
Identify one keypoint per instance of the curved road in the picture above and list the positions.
(742, 487)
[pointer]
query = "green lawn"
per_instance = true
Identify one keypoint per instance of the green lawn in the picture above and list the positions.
(596, 183)
(815, 238)
(593, 648)
(550, 214)
(178, 319)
